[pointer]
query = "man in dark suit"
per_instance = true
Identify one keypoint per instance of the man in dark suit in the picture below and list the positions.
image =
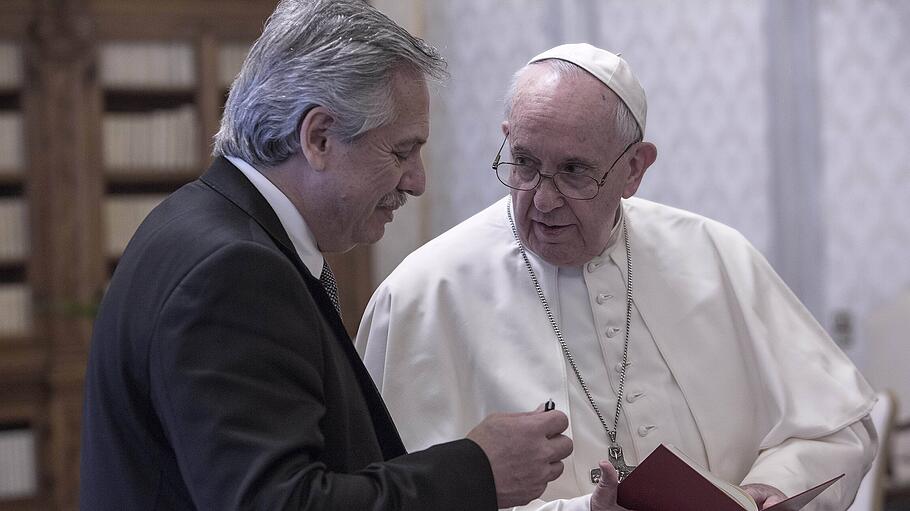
(220, 374)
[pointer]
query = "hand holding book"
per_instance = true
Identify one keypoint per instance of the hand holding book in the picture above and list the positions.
(764, 495)
(666, 479)
(604, 496)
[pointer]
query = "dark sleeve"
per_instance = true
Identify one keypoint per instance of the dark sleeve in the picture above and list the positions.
(237, 380)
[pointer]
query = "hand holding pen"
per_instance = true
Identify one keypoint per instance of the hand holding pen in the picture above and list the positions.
(525, 451)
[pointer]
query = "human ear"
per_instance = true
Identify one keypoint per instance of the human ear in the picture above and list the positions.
(645, 154)
(505, 128)
(315, 141)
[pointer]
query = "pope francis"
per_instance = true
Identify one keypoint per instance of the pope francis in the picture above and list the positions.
(645, 324)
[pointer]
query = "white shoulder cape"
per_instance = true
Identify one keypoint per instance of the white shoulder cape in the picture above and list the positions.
(456, 332)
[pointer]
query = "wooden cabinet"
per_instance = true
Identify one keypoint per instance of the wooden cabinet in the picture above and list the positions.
(24, 353)
(116, 102)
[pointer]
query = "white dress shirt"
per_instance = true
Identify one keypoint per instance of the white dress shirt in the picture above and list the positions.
(591, 311)
(290, 218)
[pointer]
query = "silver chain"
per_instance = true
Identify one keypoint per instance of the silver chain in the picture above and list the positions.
(611, 435)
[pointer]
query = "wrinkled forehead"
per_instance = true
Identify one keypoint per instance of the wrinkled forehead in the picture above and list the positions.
(574, 106)
(410, 101)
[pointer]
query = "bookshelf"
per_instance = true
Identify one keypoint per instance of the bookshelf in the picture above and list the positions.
(149, 130)
(106, 106)
(20, 353)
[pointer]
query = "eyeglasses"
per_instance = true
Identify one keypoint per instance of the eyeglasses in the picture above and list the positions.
(528, 176)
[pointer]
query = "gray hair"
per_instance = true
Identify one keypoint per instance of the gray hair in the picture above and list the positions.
(626, 127)
(338, 54)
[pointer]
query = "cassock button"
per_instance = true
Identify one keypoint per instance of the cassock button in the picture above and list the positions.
(644, 430)
(603, 297)
(619, 366)
(593, 266)
(633, 397)
(612, 331)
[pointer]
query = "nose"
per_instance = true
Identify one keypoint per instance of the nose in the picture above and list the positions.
(546, 196)
(414, 180)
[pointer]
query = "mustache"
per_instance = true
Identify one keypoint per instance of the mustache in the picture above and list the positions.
(393, 200)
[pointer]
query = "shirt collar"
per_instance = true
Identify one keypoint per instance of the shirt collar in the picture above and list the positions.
(609, 252)
(616, 232)
(290, 218)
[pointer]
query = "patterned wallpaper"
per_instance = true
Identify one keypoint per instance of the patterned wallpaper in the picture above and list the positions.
(706, 67)
(864, 74)
(484, 42)
(702, 66)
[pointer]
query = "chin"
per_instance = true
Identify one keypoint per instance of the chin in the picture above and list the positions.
(374, 239)
(372, 235)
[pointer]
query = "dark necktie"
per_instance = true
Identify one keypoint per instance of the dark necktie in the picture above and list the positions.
(327, 278)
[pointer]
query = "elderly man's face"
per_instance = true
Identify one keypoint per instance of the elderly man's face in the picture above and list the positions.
(559, 122)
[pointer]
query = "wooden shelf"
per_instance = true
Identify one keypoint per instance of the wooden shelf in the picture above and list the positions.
(15, 340)
(23, 363)
(14, 424)
(146, 100)
(11, 177)
(12, 271)
(897, 496)
(11, 184)
(24, 504)
(64, 186)
(9, 99)
(151, 176)
(19, 408)
(180, 19)
(149, 181)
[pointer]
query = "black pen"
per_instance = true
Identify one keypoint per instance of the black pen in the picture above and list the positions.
(549, 405)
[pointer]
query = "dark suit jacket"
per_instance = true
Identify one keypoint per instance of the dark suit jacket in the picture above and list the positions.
(220, 378)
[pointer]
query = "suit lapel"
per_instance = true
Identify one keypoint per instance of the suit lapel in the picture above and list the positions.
(226, 179)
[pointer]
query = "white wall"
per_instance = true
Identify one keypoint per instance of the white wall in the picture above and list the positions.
(864, 98)
(789, 121)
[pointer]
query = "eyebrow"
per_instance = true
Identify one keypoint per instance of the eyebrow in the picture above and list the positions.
(412, 141)
(575, 159)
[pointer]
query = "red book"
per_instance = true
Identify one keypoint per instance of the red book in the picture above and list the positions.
(668, 481)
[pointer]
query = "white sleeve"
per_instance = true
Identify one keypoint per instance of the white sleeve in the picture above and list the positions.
(798, 464)
(373, 335)
(582, 503)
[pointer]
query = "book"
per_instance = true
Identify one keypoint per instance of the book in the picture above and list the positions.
(122, 216)
(667, 479)
(10, 65)
(15, 310)
(18, 467)
(12, 156)
(147, 65)
(13, 230)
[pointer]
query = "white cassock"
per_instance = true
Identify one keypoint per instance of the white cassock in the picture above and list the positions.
(724, 361)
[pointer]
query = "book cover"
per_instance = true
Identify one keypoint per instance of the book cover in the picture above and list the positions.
(665, 480)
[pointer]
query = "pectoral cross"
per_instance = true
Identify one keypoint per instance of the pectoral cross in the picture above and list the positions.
(619, 463)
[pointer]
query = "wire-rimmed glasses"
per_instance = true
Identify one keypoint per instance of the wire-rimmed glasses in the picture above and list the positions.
(528, 176)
